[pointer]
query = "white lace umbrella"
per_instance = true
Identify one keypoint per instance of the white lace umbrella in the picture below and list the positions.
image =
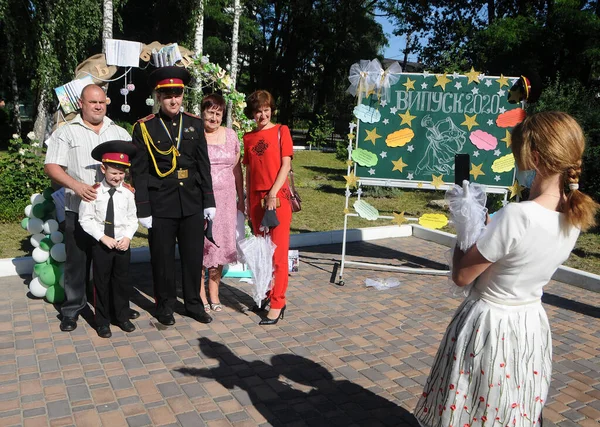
(258, 253)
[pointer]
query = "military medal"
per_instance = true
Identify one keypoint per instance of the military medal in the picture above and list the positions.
(182, 174)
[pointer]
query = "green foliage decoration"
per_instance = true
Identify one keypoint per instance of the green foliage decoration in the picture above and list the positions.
(218, 80)
(21, 175)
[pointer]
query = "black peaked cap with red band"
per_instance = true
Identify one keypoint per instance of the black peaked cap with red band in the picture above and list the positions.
(172, 77)
(116, 152)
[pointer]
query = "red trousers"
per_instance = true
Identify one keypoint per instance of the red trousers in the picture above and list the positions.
(280, 236)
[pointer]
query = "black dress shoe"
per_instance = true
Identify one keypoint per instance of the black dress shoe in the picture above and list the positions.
(127, 326)
(133, 314)
(104, 331)
(166, 319)
(202, 317)
(268, 321)
(68, 324)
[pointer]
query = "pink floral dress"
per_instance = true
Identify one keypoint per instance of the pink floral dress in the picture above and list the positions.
(223, 158)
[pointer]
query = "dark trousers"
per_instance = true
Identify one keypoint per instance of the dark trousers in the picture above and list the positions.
(78, 246)
(111, 285)
(189, 234)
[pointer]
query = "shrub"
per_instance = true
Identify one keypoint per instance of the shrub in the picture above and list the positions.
(321, 131)
(21, 175)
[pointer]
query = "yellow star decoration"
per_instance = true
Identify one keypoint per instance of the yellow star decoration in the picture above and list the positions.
(470, 121)
(515, 189)
(502, 80)
(419, 185)
(507, 139)
(476, 171)
(349, 162)
(399, 218)
(351, 136)
(351, 180)
(473, 76)
(398, 165)
(441, 80)
(407, 118)
(437, 181)
(372, 135)
(514, 95)
(410, 84)
(346, 211)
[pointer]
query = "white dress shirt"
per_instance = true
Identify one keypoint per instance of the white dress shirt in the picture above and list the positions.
(92, 214)
(71, 145)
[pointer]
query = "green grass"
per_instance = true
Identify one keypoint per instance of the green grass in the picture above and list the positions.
(320, 182)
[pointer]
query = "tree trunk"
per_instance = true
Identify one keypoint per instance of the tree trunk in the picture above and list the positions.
(107, 23)
(14, 87)
(41, 125)
(406, 49)
(491, 4)
(237, 11)
(199, 35)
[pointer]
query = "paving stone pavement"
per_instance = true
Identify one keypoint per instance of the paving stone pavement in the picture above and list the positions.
(343, 356)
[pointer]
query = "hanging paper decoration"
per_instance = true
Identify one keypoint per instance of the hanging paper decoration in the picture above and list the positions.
(124, 91)
(130, 87)
(150, 102)
(125, 108)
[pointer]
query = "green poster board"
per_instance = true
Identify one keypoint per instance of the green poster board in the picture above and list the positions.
(432, 117)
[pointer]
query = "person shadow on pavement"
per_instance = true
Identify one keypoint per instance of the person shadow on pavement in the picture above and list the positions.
(293, 389)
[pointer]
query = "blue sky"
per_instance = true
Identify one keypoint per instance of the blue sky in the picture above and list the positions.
(395, 43)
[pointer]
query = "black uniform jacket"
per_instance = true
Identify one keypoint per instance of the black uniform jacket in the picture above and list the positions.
(185, 191)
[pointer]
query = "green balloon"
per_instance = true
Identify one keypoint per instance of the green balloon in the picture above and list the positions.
(48, 193)
(48, 276)
(39, 267)
(38, 210)
(46, 244)
(48, 206)
(24, 223)
(55, 294)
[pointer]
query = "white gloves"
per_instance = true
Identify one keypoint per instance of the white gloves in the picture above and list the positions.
(209, 213)
(146, 222)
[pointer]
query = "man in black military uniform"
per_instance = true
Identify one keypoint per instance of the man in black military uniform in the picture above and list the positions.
(173, 192)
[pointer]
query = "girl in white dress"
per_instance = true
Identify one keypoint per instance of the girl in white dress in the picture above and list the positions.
(494, 365)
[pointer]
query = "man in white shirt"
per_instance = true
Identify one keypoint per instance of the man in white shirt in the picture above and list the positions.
(70, 164)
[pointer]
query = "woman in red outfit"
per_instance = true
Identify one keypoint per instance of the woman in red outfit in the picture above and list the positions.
(268, 152)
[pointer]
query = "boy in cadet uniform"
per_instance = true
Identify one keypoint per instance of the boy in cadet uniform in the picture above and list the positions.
(174, 194)
(111, 219)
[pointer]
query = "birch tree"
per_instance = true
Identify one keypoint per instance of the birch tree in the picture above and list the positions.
(199, 34)
(237, 11)
(107, 23)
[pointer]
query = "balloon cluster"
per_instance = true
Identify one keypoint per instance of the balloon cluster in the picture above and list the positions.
(49, 250)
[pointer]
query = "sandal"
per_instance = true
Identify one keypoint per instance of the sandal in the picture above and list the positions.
(216, 307)
(207, 307)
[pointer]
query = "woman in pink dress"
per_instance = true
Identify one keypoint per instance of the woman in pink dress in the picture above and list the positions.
(226, 172)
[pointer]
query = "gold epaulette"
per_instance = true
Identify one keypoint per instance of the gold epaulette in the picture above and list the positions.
(192, 115)
(129, 187)
(145, 119)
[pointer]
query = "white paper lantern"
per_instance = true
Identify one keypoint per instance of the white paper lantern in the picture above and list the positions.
(50, 226)
(58, 252)
(28, 211)
(37, 198)
(56, 237)
(35, 226)
(37, 289)
(40, 255)
(36, 239)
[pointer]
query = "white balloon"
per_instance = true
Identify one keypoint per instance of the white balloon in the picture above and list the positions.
(40, 255)
(28, 211)
(50, 226)
(35, 225)
(36, 239)
(37, 198)
(56, 237)
(58, 252)
(37, 289)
